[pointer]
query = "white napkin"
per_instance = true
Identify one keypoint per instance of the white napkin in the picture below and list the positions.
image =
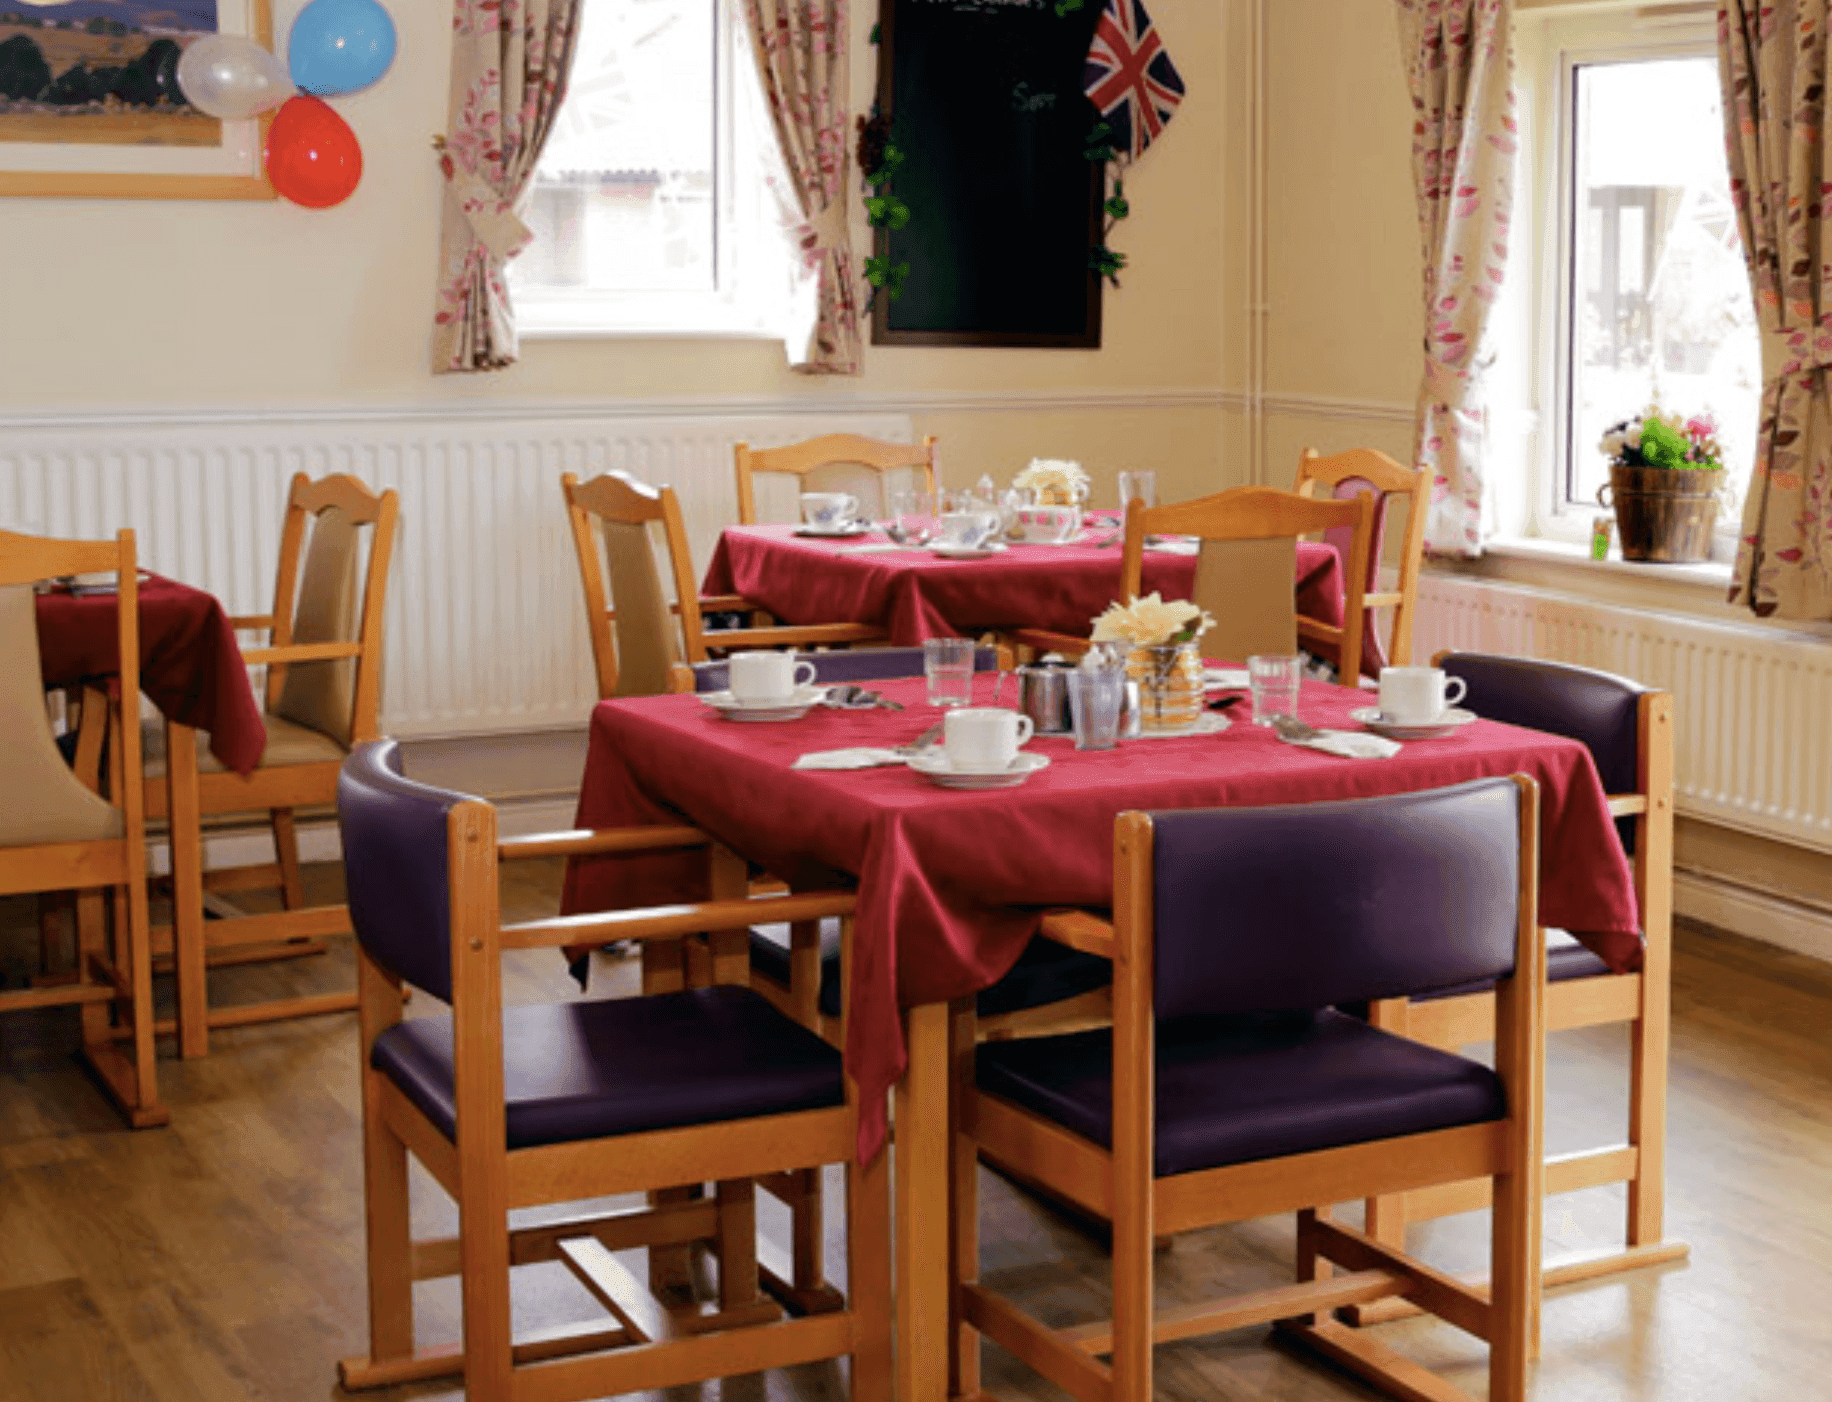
(1227, 678)
(862, 757)
(1176, 547)
(1352, 744)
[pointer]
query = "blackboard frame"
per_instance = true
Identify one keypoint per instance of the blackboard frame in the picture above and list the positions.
(1087, 336)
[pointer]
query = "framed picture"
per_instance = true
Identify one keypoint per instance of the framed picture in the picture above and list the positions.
(89, 101)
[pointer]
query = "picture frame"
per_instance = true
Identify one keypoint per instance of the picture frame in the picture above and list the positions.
(69, 150)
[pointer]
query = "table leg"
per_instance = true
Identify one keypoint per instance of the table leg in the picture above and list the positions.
(183, 825)
(922, 1225)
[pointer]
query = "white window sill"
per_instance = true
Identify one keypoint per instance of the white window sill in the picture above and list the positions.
(646, 333)
(1709, 574)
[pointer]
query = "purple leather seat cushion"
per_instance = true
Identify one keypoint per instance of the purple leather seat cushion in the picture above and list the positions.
(1046, 972)
(1240, 1088)
(577, 1071)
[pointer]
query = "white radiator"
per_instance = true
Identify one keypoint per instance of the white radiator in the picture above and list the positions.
(1753, 708)
(485, 625)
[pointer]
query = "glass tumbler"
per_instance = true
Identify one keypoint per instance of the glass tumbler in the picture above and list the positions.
(1142, 485)
(947, 664)
(1274, 681)
(1096, 697)
(914, 513)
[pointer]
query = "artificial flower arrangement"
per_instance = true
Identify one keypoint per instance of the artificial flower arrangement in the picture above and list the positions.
(1151, 622)
(1664, 440)
(1054, 479)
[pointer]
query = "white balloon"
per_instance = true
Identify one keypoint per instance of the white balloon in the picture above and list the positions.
(232, 77)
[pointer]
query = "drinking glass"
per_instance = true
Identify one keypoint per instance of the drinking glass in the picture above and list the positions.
(1142, 485)
(914, 512)
(1096, 698)
(1273, 681)
(947, 664)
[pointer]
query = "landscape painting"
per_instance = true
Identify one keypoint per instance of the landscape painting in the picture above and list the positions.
(90, 102)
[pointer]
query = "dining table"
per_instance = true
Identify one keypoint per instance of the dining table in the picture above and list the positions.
(953, 884)
(191, 669)
(915, 593)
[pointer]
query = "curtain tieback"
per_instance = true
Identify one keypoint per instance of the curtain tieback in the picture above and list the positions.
(1794, 351)
(821, 231)
(493, 219)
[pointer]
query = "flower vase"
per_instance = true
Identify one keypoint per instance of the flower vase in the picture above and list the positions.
(1170, 687)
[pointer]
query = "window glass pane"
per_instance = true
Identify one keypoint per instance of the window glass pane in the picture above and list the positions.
(625, 194)
(1661, 309)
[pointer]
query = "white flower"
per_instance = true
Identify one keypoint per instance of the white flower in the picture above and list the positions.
(1612, 444)
(1052, 474)
(1633, 437)
(1150, 621)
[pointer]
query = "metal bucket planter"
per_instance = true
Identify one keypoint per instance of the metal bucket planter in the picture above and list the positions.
(1661, 514)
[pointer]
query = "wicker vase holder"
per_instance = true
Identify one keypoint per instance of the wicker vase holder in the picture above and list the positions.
(1662, 514)
(1170, 687)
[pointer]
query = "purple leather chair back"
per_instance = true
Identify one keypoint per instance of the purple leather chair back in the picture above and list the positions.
(1262, 910)
(857, 665)
(1597, 709)
(395, 866)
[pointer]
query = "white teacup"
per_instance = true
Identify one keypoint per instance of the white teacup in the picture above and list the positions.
(1049, 525)
(966, 530)
(984, 739)
(1417, 695)
(829, 511)
(758, 678)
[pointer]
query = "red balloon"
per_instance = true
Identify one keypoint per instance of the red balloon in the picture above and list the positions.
(312, 155)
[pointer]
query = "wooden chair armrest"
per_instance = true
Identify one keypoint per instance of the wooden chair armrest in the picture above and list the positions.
(786, 634)
(668, 922)
(1079, 930)
(251, 620)
(1042, 640)
(301, 652)
(1625, 805)
(581, 842)
(1317, 631)
(726, 603)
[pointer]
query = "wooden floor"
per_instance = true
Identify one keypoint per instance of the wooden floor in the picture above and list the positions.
(221, 1258)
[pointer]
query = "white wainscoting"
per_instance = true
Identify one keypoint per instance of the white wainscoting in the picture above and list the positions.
(485, 629)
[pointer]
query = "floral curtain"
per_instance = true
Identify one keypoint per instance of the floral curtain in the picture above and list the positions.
(1459, 65)
(800, 46)
(1772, 63)
(510, 60)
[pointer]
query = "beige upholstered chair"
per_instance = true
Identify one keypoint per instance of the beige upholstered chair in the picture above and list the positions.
(1248, 561)
(636, 643)
(56, 834)
(1363, 470)
(324, 676)
(835, 462)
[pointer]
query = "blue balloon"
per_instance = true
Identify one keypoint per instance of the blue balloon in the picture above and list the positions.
(339, 46)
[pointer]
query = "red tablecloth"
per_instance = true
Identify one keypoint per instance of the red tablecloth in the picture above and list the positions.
(918, 595)
(190, 665)
(952, 885)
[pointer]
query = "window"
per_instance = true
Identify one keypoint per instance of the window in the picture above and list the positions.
(1643, 293)
(653, 208)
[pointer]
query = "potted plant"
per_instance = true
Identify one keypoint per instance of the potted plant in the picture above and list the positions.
(1158, 641)
(1665, 473)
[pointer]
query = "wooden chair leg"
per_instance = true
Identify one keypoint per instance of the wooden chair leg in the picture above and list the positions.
(737, 1242)
(1385, 1216)
(286, 852)
(868, 1276)
(964, 1204)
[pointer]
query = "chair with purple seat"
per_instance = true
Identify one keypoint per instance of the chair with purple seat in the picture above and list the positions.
(1229, 1088)
(513, 1108)
(1628, 729)
(1351, 473)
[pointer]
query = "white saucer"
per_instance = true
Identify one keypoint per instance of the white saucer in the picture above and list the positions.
(965, 552)
(933, 765)
(844, 533)
(1208, 723)
(1449, 723)
(797, 706)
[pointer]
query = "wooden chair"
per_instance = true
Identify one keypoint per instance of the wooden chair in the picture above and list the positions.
(510, 1108)
(1347, 474)
(835, 462)
(324, 679)
(1246, 568)
(1628, 729)
(1211, 1100)
(58, 834)
(651, 635)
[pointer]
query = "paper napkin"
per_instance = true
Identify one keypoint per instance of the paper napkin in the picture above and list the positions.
(1351, 744)
(860, 758)
(1227, 678)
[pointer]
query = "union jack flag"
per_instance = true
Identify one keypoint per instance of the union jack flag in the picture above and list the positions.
(1129, 76)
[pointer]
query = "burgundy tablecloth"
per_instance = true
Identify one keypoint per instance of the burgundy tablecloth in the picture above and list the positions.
(918, 595)
(190, 665)
(952, 885)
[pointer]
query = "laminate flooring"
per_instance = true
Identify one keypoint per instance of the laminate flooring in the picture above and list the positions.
(220, 1259)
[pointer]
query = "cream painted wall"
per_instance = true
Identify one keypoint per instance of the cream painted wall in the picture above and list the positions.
(176, 305)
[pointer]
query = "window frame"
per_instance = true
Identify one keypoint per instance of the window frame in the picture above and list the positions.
(729, 309)
(1564, 43)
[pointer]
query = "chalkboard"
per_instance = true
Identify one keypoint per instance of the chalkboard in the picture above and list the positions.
(985, 102)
